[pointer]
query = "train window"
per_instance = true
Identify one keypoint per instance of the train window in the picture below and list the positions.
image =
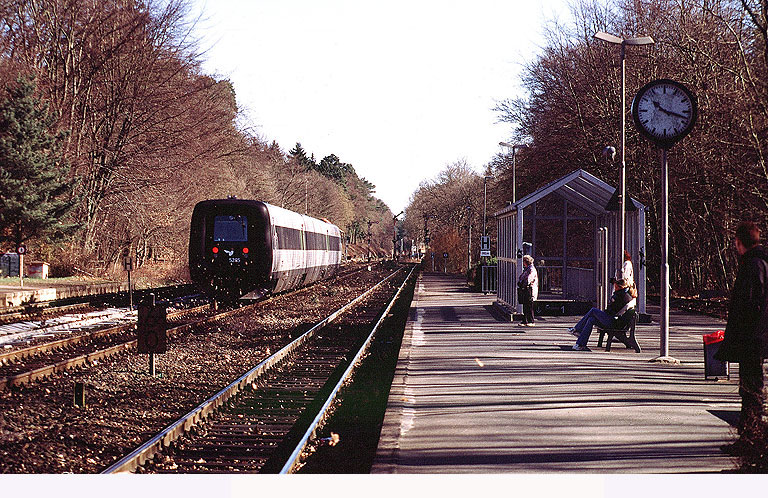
(335, 243)
(230, 228)
(288, 238)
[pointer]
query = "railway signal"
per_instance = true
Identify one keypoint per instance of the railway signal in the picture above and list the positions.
(128, 266)
(150, 331)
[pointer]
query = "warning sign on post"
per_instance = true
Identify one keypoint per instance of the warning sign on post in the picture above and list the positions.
(151, 329)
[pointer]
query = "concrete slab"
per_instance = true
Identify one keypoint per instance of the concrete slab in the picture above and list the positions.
(476, 394)
(35, 291)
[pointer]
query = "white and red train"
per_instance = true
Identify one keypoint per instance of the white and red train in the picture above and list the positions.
(251, 248)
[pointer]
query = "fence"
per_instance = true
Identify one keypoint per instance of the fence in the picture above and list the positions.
(488, 279)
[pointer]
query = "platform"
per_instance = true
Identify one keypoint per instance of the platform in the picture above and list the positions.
(38, 290)
(474, 393)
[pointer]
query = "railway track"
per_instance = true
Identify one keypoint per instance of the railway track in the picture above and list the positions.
(267, 416)
(25, 365)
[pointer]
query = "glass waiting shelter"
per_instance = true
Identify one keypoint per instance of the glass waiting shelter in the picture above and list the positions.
(571, 228)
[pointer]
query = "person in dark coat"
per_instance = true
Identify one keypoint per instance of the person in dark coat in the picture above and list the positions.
(746, 336)
(614, 315)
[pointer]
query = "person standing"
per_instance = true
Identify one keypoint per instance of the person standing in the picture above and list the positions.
(746, 337)
(528, 289)
(627, 272)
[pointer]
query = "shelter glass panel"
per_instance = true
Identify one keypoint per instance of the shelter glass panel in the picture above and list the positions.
(527, 224)
(581, 239)
(575, 211)
(549, 238)
(550, 276)
(551, 205)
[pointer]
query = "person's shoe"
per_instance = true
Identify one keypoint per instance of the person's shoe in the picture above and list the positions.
(573, 332)
(530, 324)
(521, 324)
(576, 347)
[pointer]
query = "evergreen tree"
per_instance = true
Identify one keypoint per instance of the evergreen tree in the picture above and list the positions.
(33, 176)
(299, 155)
(331, 167)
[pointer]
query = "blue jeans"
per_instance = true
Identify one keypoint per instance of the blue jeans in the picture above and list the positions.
(584, 327)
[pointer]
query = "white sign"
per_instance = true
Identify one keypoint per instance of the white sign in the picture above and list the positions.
(485, 243)
(485, 254)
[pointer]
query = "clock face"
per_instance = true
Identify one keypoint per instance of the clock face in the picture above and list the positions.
(664, 111)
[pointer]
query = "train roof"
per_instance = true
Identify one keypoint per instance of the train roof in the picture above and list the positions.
(278, 214)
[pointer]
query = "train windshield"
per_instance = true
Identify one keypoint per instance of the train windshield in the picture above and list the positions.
(230, 229)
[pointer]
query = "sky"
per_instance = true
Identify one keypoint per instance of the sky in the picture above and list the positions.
(399, 89)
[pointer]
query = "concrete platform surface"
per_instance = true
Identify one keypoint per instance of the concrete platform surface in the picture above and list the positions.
(475, 394)
(40, 290)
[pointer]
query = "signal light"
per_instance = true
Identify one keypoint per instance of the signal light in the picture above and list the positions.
(245, 250)
(215, 250)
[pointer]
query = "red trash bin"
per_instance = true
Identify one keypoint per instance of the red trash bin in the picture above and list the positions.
(712, 366)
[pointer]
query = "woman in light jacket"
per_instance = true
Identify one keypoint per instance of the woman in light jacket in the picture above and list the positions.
(528, 286)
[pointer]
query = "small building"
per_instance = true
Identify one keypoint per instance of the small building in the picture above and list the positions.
(572, 230)
(37, 269)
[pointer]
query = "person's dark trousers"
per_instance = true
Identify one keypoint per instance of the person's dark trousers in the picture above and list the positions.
(527, 311)
(753, 373)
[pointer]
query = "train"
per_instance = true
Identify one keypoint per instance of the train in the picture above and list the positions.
(249, 249)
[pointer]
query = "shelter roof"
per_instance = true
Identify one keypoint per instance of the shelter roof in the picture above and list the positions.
(579, 187)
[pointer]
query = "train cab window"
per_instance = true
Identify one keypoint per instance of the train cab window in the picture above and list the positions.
(230, 228)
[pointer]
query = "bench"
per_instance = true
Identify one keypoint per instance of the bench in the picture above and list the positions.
(625, 335)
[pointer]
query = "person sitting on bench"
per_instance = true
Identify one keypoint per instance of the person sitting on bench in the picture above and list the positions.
(612, 318)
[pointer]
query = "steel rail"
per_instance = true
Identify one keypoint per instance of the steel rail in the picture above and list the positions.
(9, 314)
(16, 354)
(63, 365)
(293, 463)
(149, 449)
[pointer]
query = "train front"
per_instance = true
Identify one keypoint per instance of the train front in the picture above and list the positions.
(230, 253)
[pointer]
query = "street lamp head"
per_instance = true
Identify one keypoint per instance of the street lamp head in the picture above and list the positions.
(610, 152)
(514, 146)
(607, 37)
(642, 40)
(601, 35)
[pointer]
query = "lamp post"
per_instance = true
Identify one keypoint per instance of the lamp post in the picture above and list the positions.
(514, 150)
(623, 42)
(394, 235)
(485, 198)
(469, 238)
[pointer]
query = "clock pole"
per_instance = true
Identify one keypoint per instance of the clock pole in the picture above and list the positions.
(669, 113)
(622, 198)
(664, 319)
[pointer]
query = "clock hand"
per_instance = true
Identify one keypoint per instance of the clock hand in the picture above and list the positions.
(671, 113)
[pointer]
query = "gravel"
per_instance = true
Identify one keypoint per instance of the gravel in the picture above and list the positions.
(41, 431)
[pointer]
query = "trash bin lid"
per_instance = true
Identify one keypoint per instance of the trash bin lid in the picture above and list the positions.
(714, 337)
